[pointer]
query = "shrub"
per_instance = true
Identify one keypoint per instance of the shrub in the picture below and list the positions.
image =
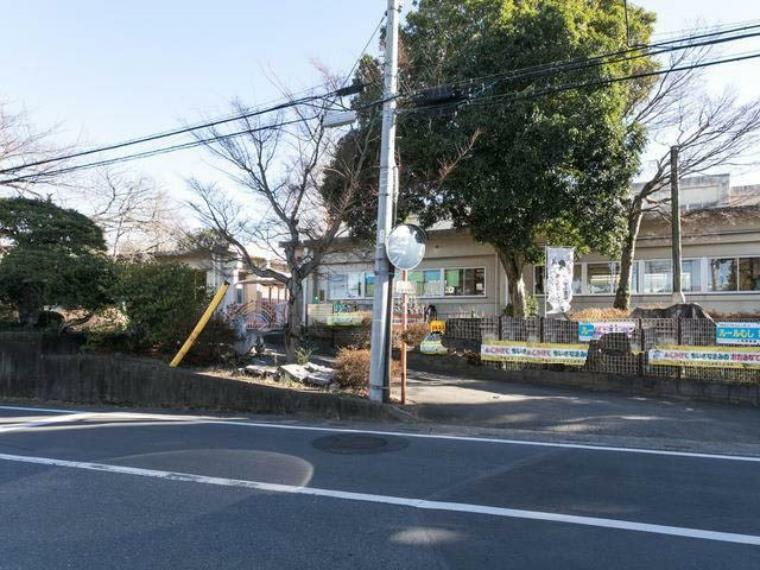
(531, 306)
(472, 358)
(415, 333)
(214, 346)
(303, 354)
(163, 302)
(352, 368)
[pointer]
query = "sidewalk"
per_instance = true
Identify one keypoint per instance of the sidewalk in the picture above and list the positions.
(499, 404)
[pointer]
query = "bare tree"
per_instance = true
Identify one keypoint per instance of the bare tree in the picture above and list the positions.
(135, 214)
(708, 132)
(20, 145)
(277, 166)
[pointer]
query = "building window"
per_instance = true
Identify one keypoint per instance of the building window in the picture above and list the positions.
(691, 276)
(345, 285)
(635, 277)
(427, 283)
(658, 277)
(369, 284)
(722, 274)
(601, 278)
(749, 273)
(465, 282)
(239, 295)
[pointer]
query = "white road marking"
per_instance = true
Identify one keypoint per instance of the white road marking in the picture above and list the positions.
(32, 409)
(45, 421)
(397, 501)
(414, 435)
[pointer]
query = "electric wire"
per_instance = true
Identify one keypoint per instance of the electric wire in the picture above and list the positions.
(550, 68)
(153, 152)
(584, 84)
(681, 44)
(183, 130)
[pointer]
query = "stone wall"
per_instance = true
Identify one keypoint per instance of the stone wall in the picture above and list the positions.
(35, 368)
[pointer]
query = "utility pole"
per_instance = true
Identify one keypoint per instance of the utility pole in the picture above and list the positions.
(675, 212)
(379, 371)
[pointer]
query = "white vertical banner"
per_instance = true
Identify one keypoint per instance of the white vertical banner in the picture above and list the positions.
(558, 279)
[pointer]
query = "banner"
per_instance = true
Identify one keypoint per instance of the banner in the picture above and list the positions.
(547, 353)
(705, 357)
(345, 319)
(594, 331)
(558, 284)
(738, 333)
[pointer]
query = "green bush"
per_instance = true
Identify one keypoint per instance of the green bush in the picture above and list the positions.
(531, 306)
(163, 302)
(54, 256)
(303, 354)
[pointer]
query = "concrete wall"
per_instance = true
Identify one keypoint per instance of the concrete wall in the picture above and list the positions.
(31, 367)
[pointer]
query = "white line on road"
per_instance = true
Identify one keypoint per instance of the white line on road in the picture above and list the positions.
(397, 501)
(46, 421)
(197, 420)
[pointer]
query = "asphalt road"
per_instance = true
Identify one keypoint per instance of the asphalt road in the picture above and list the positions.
(129, 490)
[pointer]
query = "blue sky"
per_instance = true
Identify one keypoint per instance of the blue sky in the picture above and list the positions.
(106, 71)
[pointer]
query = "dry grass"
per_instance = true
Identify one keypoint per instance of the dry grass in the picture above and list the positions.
(719, 316)
(352, 368)
(599, 314)
(415, 333)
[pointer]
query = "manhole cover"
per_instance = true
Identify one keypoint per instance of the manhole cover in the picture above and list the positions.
(358, 444)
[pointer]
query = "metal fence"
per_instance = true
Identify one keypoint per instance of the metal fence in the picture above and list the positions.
(625, 353)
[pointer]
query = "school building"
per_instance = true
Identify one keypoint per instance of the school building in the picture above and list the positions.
(461, 277)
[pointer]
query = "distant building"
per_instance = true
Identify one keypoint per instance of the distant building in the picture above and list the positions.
(721, 262)
(254, 298)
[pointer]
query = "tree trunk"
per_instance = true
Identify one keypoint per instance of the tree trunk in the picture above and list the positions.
(623, 293)
(513, 264)
(293, 326)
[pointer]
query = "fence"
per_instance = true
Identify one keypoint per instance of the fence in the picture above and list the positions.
(265, 315)
(354, 314)
(675, 348)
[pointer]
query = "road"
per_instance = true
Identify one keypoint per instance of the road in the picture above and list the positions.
(116, 489)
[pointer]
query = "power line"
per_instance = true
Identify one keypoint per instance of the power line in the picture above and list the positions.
(660, 36)
(154, 152)
(183, 130)
(542, 69)
(599, 59)
(584, 84)
(165, 150)
(364, 50)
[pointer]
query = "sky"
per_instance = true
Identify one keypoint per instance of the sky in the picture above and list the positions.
(100, 72)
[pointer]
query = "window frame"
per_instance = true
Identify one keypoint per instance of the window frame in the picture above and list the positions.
(738, 275)
(476, 296)
(703, 269)
(441, 272)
